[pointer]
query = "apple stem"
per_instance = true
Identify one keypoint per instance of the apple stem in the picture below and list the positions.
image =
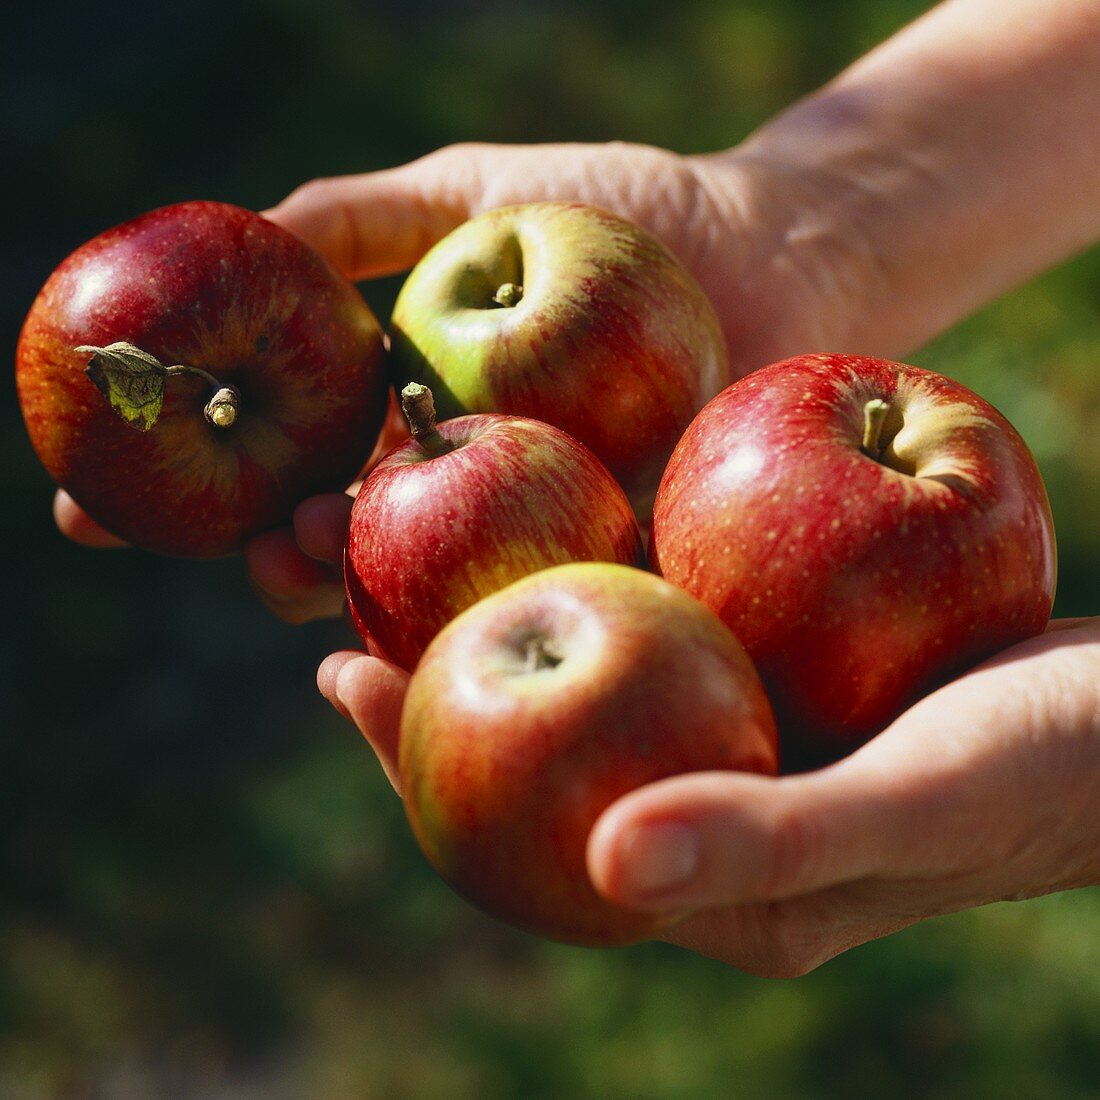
(874, 417)
(222, 409)
(419, 408)
(508, 294)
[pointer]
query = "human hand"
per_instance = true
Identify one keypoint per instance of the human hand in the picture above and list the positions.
(984, 790)
(777, 291)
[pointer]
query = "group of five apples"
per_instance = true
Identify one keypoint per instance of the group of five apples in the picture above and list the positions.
(829, 537)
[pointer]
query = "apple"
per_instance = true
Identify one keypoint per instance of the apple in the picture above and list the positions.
(867, 529)
(571, 315)
(465, 508)
(541, 705)
(191, 375)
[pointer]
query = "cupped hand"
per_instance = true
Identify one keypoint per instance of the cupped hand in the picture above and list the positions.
(985, 790)
(756, 235)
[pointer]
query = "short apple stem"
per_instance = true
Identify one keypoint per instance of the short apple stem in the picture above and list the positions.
(508, 294)
(874, 417)
(419, 408)
(221, 410)
(134, 383)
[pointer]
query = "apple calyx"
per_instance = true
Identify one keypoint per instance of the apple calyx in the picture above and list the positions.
(418, 405)
(133, 381)
(538, 654)
(508, 294)
(874, 417)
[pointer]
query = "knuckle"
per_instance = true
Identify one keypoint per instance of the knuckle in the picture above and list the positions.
(796, 847)
(314, 192)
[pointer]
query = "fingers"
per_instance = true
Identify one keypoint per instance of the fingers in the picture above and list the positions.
(370, 692)
(320, 524)
(383, 222)
(74, 523)
(379, 223)
(297, 573)
(722, 838)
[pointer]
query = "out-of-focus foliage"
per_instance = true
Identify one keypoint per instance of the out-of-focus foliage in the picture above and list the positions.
(208, 889)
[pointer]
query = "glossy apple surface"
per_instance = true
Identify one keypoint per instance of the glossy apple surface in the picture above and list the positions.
(856, 578)
(210, 286)
(430, 534)
(568, 314)
(540, 706)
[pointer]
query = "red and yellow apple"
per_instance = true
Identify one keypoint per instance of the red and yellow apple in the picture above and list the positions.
(867, 529)
(465, 508)
(191, 375)
(571, 315)
(541, 705)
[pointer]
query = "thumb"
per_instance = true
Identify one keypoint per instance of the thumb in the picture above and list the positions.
(379, 223)
(725, 838)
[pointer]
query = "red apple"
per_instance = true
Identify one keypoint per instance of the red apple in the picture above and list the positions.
(540, 706)
(459, 512)
(571, 315)
(867, 529)
(281, 395)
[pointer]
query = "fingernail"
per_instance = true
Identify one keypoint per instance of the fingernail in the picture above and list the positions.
(659, 859)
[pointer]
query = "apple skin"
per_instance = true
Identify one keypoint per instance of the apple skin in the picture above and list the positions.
(612, 340)
(428, 536)
(854, 586)
(214, 286)
(541, 705)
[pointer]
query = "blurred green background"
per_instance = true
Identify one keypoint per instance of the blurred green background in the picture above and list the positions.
(206, 887)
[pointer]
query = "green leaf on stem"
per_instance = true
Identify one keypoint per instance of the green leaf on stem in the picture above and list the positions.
(132, 380)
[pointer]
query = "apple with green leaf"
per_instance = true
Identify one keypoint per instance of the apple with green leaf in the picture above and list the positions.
(568, 314)
(191, 375)
(541, 705)
(466, 507)
(867, 529)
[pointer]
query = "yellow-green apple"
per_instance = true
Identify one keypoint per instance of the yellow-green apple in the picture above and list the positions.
(541, 705)
(568, 314)
(867, 529)
(465, 508)
(191, 375)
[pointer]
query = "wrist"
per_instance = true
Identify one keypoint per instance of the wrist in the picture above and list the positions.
(798, 269)
(954, 162)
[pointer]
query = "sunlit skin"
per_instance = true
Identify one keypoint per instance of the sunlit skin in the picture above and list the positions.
(601, 332)
(858, 576)
(951, 163)
(432, 533)
(214, 287)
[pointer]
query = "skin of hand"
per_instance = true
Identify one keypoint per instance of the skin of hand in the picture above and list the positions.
(984, 790)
